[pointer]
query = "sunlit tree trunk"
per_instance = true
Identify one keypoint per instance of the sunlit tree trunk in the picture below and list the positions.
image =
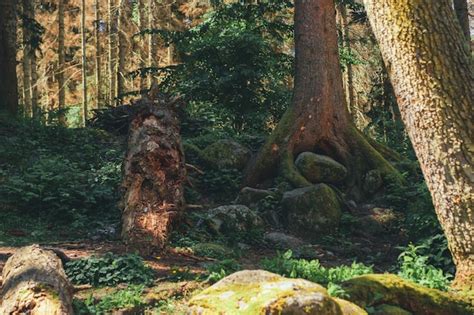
(27, 52)
(318, 119)
(153, 59)
(346, 44)
(142, 26)
(60, 74)
(98, 54)
(430, 69)
(8, 78)
(112, 51)
(85, 109)
(124, 14)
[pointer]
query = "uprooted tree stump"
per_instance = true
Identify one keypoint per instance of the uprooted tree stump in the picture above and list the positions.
(154, 172)
(34, 282)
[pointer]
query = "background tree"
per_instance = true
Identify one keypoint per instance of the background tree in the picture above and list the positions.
(85, 109)
(98, 54)
(318, 119)
(430, 69)
(28, 50)
(112, 50)
(8, 75)
(61, 62)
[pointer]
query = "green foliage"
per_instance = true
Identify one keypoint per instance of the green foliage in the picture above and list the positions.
(58, 173)
(222, 184)
(127, 298)
(222, 269)
(109, 270)
(415, 267)
(230, 62)
(312, 270)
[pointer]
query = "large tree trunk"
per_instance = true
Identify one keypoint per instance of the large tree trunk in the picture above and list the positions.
(61, 62)
(8, 78)
(154, 173)
(430, 69)
(34, 283)
(318, 120)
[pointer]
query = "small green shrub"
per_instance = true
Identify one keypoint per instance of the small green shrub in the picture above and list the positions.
(127, 298)
(312, 270)
(415, 267)
(109, 270)
(222, 269)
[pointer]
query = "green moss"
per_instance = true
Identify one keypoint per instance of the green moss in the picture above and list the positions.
(369, 290)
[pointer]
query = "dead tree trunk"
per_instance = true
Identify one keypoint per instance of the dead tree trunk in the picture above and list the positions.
(34, 282)
(154, 173)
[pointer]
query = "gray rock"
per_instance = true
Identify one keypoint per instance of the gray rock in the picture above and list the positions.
(226, 153)
(320, 168)
(312, 211)
(233, 218)
(283, 241)
(250, 196)
(372, 181)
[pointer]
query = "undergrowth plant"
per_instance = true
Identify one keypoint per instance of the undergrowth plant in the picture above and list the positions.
(109, 270)
(131, 297)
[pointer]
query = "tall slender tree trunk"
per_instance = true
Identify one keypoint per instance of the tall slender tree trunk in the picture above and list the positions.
(27, 52)
(346, 43)
(430, 69)
(85, 109)
(98, 56)
(112, 50)
(170, 49)
(8, 78)
(61, 61)
(124, 15)
(153, 39)
(462, 13)
(34, 87)
(318, 119)
(143, 55)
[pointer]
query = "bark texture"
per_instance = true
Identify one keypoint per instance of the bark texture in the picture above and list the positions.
(154, 173)
(318, 120)
(430, 69)
(462, 14)
(8, 78)
(35, 283)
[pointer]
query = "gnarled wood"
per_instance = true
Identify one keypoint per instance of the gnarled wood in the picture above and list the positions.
(34, 282)
(154, 172)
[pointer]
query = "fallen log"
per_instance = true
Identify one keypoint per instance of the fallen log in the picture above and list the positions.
(34, 282)
(154, 173)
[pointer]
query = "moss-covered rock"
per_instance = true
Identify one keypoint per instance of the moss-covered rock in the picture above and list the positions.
(226, 154)
(251, 196)
(256, 292)
(212, 250)
(320, 168)
(387, 309)
(312, 211)
(370, 291)
(233, 219)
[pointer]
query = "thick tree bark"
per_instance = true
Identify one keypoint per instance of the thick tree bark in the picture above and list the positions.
(8, 78)
(61, 62)
(318, 120)
(462, 14)
(85, 109)
(154, 173)
(34, 282)
(430, 69)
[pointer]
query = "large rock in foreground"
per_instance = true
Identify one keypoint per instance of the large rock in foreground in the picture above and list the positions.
(386, 291)
(260, 292)
(233, 219)
(34, 282)
(226, 154)
(312, 211)
(320, 168)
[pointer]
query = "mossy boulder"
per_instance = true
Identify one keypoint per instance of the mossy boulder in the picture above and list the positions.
(233, 219)
(312, 211)
(282, 241)
(251, 196)
(226, 154)
(320, 168)
(372, 291)
(255, 292)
